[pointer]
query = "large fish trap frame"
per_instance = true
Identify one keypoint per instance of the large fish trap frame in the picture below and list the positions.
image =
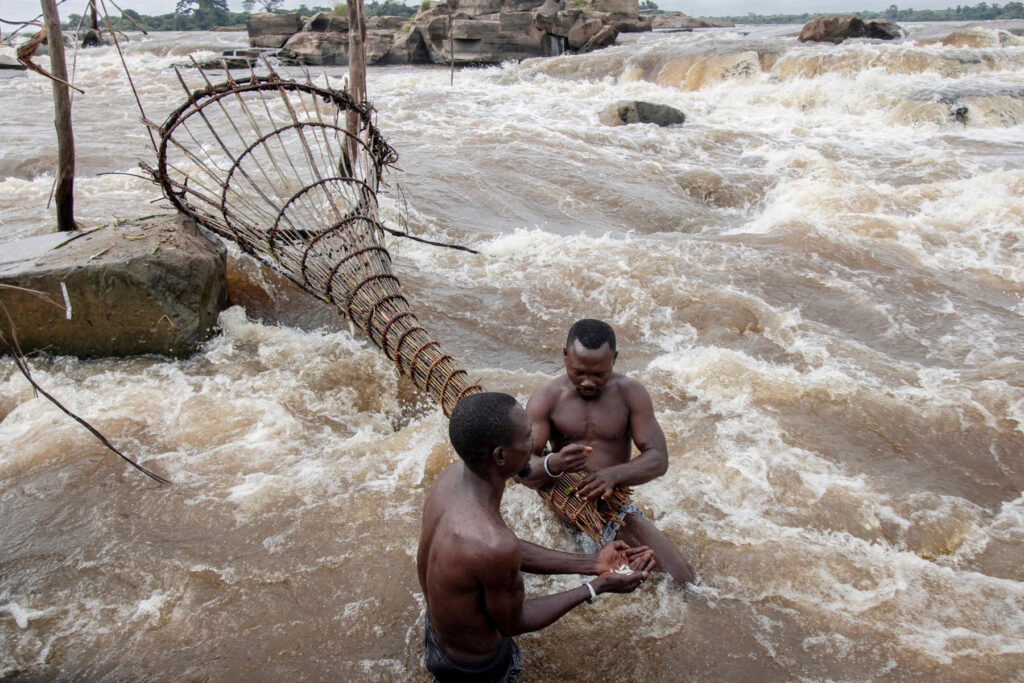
(289, 171)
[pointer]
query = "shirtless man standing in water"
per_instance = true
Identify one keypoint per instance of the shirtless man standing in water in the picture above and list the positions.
(469, 562)
(592, 416)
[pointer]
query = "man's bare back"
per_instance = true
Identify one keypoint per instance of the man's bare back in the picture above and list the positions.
(460, 538)
(593, 416)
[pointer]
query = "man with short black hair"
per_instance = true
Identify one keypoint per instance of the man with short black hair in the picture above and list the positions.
(593, 416)
(470, 563)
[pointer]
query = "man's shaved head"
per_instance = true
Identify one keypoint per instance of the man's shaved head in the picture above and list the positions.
(592, 334)
(481, 423)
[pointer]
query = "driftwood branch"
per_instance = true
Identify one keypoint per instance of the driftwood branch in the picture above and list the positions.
(25, 57)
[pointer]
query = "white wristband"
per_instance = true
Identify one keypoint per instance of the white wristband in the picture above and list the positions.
(546, 466)
(593, 593)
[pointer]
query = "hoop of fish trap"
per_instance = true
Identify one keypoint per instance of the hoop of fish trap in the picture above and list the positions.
(272, 165)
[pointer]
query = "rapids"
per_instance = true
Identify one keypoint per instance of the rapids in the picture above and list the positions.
(819, 278)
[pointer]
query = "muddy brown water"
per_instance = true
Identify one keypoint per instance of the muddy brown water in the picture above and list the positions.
(818, 277)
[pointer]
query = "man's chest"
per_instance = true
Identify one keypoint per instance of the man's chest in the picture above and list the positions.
(606, 419)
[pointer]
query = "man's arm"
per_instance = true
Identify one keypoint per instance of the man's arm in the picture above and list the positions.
(503, 593)
(571, 458)
(651, 463)
(537, 559)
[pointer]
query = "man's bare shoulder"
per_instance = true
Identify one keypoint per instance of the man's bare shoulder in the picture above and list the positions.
(488, 548)
(549, 394)
(630, 387)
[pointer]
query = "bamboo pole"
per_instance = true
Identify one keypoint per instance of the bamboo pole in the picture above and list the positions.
(64, 195)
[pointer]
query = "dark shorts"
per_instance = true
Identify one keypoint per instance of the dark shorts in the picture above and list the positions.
(502, 666)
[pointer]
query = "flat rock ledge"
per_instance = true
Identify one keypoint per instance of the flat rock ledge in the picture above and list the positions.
(149, 286)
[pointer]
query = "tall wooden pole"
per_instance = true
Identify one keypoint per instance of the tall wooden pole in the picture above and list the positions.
(356, 64)
(64, 195)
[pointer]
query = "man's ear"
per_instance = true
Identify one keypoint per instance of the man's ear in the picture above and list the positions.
(498, 455)
(565, 351)
(615, 356)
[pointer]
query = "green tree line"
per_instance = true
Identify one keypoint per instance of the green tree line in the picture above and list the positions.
(979, 12)
(202, 15)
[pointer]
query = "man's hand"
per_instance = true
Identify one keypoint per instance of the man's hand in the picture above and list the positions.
(600, 483)
(613, 582)
(572, 458)
(611, 556)
(641, 559)
(617, 553)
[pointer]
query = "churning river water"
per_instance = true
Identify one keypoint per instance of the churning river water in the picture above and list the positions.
(818, 277)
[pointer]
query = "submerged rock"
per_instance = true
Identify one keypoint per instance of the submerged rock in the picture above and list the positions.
(92, 38)
(148, 286)
(978, 38)
(627, 112)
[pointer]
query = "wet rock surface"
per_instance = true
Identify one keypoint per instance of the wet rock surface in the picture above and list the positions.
(152, 285)
(627, 112)
(835, 28)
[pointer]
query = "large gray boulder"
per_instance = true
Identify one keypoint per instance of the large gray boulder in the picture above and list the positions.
(148, 286)
(603, 38)
(557, 23)
(317, 49)
(326, 22)
(582, 31)
(835, 28)
(272, 30)
(323, 41)
(883, 29)
(637, 111)
(408, 48)
(331, 48)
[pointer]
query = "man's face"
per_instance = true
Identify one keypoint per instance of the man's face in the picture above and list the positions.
(589, 369)
(517, 453)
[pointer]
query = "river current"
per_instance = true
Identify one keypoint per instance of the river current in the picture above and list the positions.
(819, 278)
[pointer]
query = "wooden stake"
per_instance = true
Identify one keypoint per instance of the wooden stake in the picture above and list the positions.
(64, 196)
(356, 64)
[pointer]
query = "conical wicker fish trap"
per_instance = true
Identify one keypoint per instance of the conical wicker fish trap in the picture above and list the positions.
(273, 166)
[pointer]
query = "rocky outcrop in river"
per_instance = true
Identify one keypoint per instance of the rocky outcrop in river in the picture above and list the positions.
(835, 28)
(480, 32)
